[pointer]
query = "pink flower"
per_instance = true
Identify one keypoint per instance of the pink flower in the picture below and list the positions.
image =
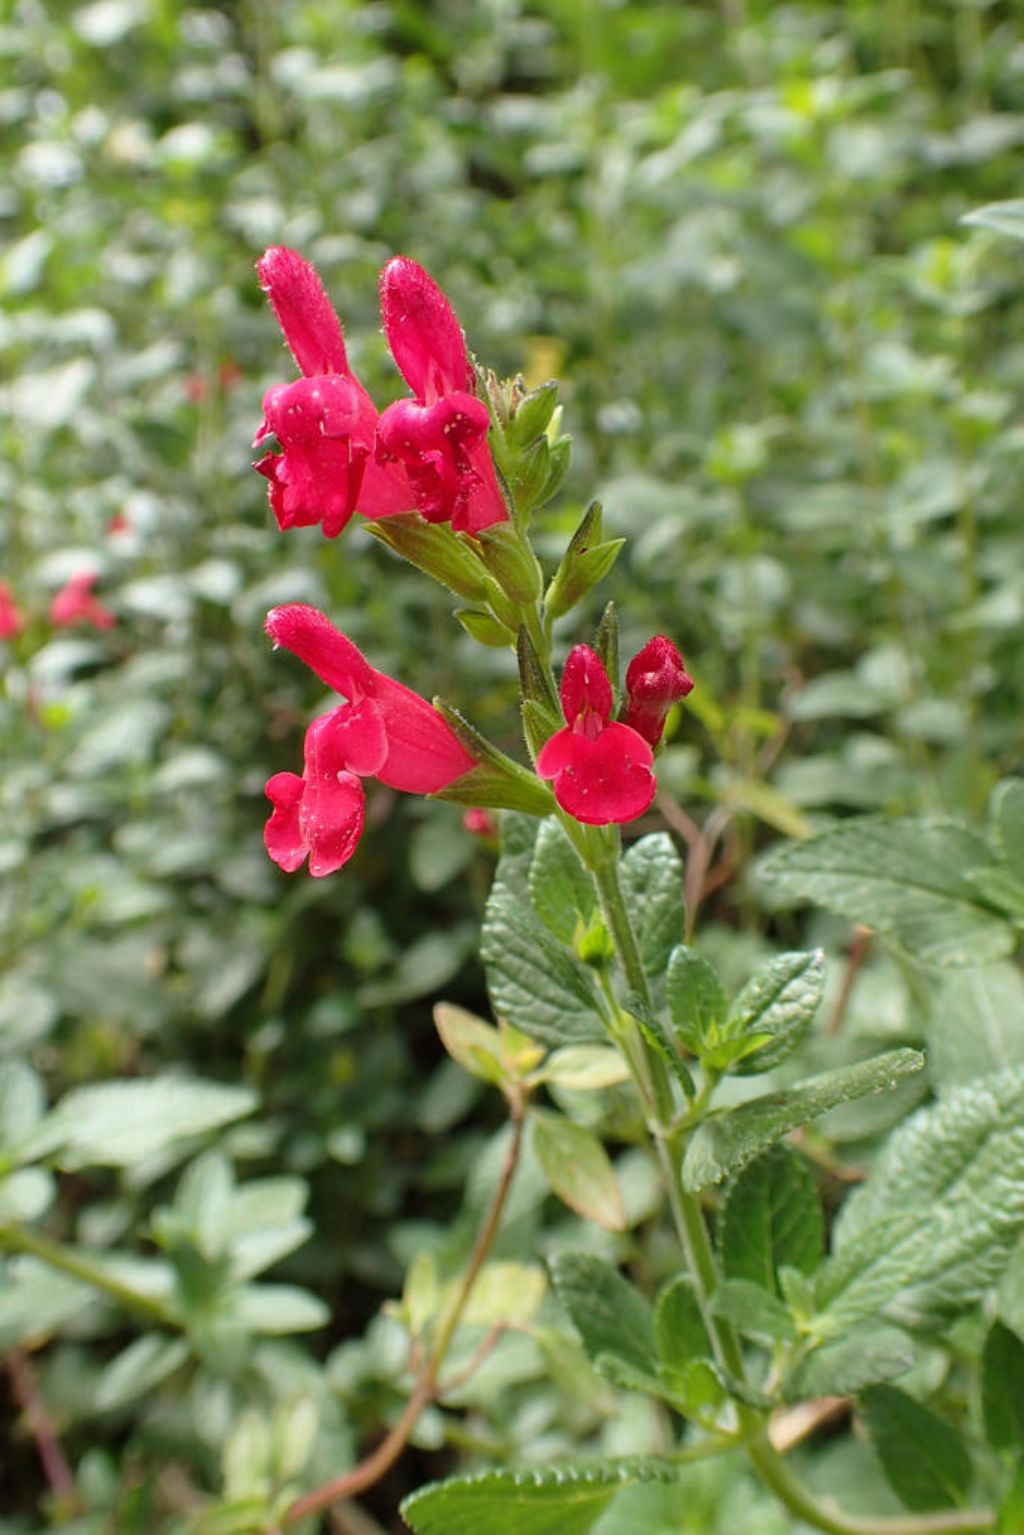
(75, 604)
(602, 770)
(655, 679)
(324, 421)
(12, 620)
(440, 437)
(384, 731)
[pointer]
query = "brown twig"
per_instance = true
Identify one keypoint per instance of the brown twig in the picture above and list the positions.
(425, 1391)
(44, 1432)
(855, 957)
(795, 1424)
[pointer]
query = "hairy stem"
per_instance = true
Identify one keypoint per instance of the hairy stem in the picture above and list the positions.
(426, 1390)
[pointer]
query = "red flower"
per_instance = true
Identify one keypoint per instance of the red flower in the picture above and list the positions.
(12, 620)
(75, 604)
(479, 823)
(325, 421)
(384, 730)
(601, 769)
(440, 437)
(655, 679)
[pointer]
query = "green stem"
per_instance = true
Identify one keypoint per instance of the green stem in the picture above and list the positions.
(692, 1229)
(75, 1264)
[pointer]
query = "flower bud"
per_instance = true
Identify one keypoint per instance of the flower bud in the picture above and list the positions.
(655, 679)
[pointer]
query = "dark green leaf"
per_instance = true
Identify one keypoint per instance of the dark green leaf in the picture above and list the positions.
(679, 1325)
(753, 1310)
(611, 1316)
(1002, 1388)
(925, 1460)
(772, 1219)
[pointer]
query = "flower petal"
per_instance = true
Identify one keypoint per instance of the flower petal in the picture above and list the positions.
(282, 834)
(360, 738)
(655, 679)
(425, 338)
(310, 635)
(304, 312)
(424, 753)
(585, 685)
(608, 779)
(331, 812)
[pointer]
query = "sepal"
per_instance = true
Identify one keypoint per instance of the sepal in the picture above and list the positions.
(511, 562)
(496, 782)
(587, 561)
(434, 549)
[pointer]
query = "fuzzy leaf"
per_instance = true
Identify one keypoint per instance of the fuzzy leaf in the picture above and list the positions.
(779, 1001)
(556, 1500)
(118, 1124)
(908, 876)
(951, 1180)
(728, 1140)
(653, 875)
(695, 997)
(865, 1356)
(561, 890)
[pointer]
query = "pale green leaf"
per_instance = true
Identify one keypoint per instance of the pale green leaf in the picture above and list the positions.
(576, 1165)
(976, 1025)
(278, 1308)
(753, 1310)
(1006, 218)
(117, 1124)
(139, 1369)
(868, 1354)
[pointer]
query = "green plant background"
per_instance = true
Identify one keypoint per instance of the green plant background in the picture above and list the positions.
(792, 376)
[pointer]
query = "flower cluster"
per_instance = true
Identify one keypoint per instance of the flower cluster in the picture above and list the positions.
(431, 455)
(338, 454)
(74, 604)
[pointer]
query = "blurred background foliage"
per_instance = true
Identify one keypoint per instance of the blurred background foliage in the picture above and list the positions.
(792, 377)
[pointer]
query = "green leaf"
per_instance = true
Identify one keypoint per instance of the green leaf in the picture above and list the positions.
(925, 1460)
(679, 1326)
(729, 1139)
(771, 1220)
(976, 1025)
(613, 1319)
(22, 1105)
(656, 1036)
(476, 1045)
(1006, 218)
(779, 1001)
(534, 983)
(695, 997)
(908, 877)
(867, 1354)
(1007, 813)
(139, 1369)
(576, 1165)
(857, 1280)
(953, 1175)
(583, 1068)
(278, 1309)
(561, 890)
(557, 1500)
(1002, 1388)
(652, 874)
(118, 1124)
(753, 1310)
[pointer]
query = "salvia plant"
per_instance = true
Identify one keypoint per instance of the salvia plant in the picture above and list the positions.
(758, 1315)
